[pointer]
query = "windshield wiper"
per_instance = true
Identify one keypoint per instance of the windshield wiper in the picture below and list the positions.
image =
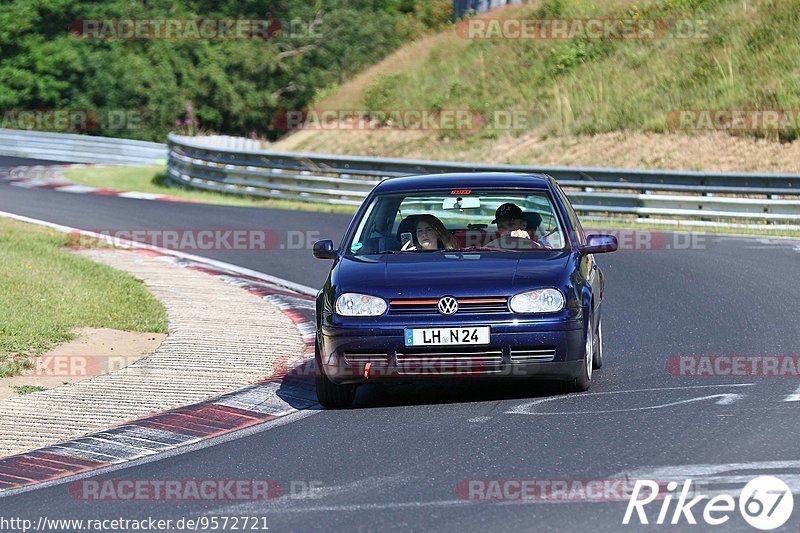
(483, 249)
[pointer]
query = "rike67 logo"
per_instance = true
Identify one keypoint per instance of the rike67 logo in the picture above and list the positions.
(766, 503)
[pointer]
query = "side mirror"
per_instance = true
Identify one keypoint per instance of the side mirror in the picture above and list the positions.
(324, 249)
(599, 244)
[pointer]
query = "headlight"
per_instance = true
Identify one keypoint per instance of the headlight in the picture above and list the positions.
(352, 304)
(538, 301)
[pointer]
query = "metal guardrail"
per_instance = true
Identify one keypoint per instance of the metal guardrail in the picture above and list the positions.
(235, 143)
(712, 197)
(74, 148)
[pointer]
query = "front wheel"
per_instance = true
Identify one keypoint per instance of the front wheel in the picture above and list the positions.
(334, 396)
(598, 345)
(584, 380)
(329, 394)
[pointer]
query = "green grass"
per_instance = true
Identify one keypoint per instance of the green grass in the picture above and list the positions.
(27, 389)
(747, 59)
(152, 180)
(46, 291)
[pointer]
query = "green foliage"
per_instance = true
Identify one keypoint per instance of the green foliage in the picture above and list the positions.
(378, 95)
(28, 389)
(712, 55)
(233, 86)
(566, 56)
(426, 15)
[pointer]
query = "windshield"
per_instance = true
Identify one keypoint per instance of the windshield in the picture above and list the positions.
(513, 221)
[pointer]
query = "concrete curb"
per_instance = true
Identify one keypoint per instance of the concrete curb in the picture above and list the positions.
(287, 391)
(220, 339)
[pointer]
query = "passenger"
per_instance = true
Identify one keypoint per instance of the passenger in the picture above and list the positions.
(430, 234)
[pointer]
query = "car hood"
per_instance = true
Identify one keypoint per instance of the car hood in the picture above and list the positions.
(433, 275)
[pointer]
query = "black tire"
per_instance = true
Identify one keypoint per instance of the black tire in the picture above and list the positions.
(597, 358)
(584, 380)
(334, 396)
(329, 394)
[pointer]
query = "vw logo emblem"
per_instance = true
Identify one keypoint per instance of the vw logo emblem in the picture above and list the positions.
(448, 305)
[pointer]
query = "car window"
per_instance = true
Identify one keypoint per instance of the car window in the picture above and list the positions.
(441, 221)
(573, 216)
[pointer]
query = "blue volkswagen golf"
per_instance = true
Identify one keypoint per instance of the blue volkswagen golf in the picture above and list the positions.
(460, 275)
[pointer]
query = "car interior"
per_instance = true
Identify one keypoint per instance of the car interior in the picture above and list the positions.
(473, 235)
(386, 227)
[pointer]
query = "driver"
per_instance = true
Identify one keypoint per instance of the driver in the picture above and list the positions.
(512, 229)
(510, 221)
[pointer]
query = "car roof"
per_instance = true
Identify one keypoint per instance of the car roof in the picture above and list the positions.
(465, 180)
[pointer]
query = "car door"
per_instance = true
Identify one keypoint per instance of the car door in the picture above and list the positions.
(588, 266)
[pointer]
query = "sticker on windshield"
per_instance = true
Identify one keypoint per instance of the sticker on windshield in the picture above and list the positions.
(356, 247)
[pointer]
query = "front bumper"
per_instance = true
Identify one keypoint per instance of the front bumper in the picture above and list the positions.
(545, 349)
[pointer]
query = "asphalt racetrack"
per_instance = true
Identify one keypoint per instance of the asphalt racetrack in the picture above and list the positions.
(409, 457)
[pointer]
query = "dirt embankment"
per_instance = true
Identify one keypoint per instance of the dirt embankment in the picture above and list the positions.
(719, 152)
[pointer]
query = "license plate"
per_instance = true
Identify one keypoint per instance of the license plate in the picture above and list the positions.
(447, 336)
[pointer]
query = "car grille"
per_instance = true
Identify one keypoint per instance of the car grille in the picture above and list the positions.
(448, 361)
(498, 304)
(540, 354)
